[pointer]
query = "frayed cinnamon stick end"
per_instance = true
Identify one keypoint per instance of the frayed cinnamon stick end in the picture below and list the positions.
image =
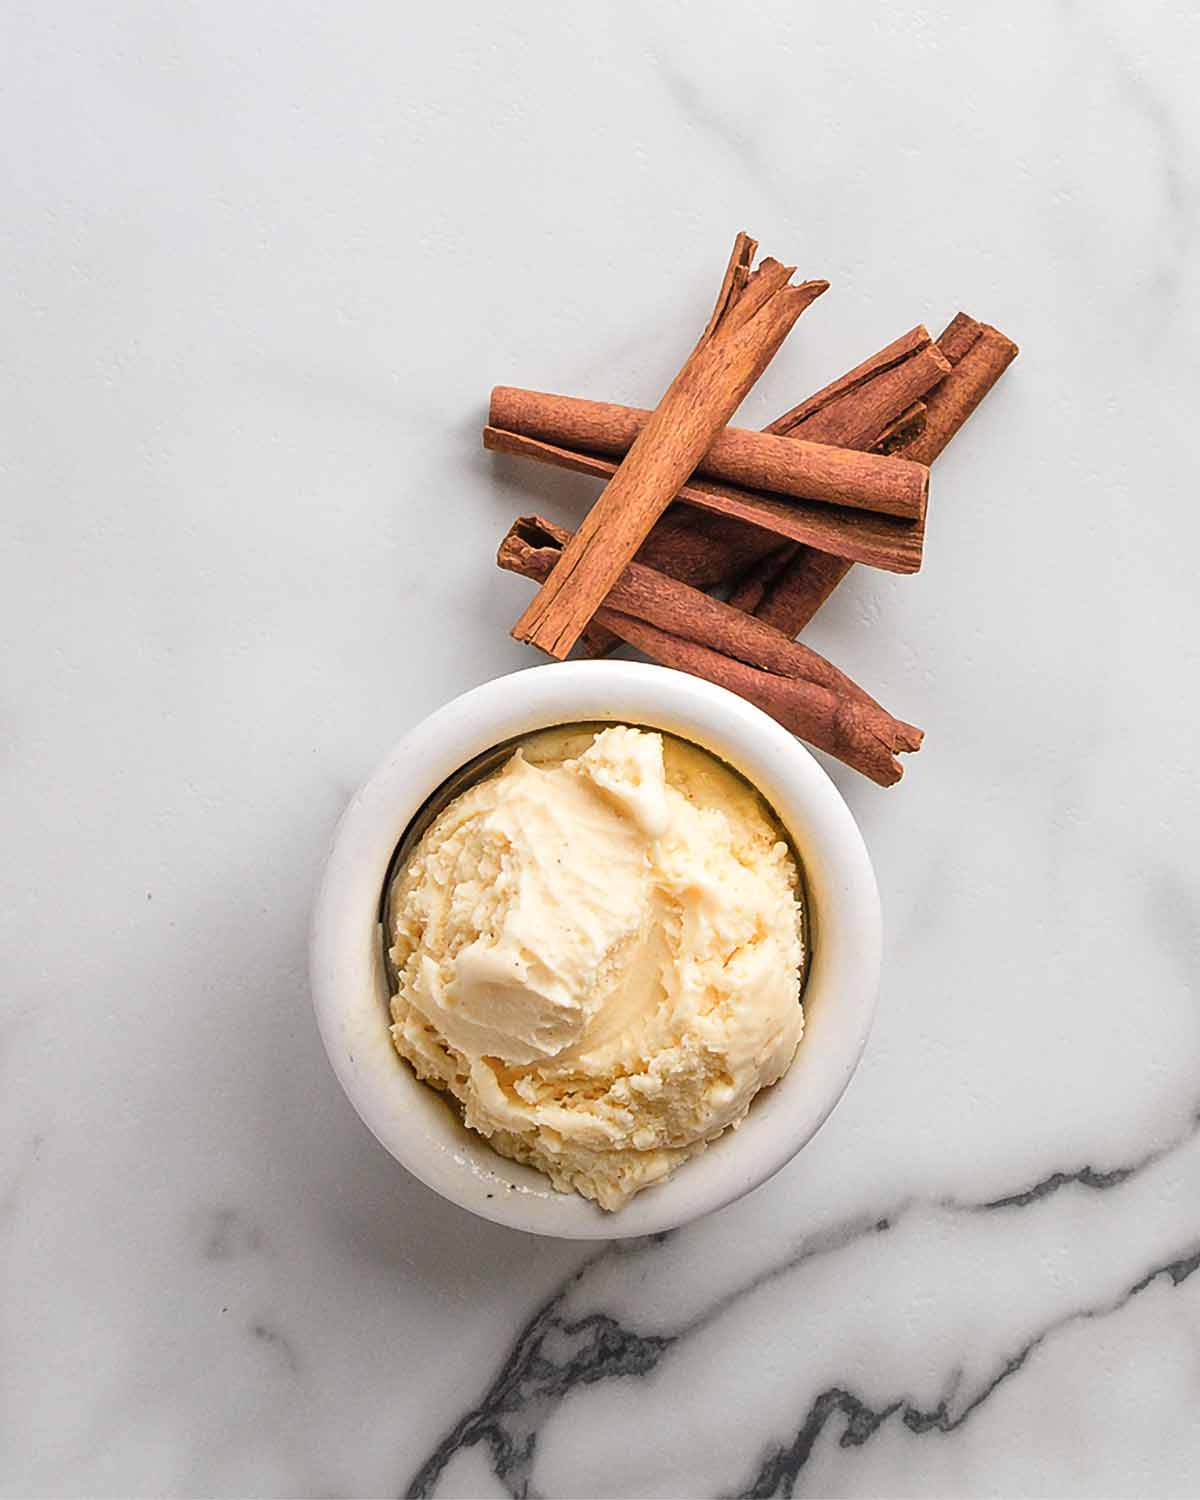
(737, 273)
(908, 737)
(870, 744)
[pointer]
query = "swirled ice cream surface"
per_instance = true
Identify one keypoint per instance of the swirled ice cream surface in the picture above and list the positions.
(599, 954)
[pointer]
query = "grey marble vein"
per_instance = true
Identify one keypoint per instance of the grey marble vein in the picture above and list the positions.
(1098, 1179)
(701, 110)
(273, 1338)
(781, 1467)
(552, 1356)
(555, 1354)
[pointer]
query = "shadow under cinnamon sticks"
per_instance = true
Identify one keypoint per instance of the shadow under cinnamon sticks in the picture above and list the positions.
(683, 628)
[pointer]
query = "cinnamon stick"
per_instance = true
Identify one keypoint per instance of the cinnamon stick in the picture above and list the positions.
(860, 408)
(876, 401)
(643, 592)
(702, 547)
(764, 587)
(699, 547)
(874, 404)
(978, 354)
(835, 725)
(766, 461)
(754, 313)
(880, 541)
(799, 687)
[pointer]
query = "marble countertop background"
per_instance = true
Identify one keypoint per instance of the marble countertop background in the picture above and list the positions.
(262, 263)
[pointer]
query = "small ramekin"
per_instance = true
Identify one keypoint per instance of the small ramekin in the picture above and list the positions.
(350, 993)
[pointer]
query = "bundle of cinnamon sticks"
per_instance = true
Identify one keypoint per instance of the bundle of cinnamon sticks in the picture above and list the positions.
(774, 520)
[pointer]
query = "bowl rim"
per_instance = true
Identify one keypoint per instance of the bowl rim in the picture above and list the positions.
(414, 1124)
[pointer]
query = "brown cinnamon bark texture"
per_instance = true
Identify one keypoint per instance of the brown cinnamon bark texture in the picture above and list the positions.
(907, 426)
(702, 547)
(798, 583)
(787, 595)
(859, 409)
(880, 541)
(876, 402)
(699, 547)
(683, 627)
(774, 463)
(835, 725)
(755, 311)
(979, 354)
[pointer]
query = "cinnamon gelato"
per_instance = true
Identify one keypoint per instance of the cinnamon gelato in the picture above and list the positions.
(599, 954)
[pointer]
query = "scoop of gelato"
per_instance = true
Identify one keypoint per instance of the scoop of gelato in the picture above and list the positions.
(599, 956)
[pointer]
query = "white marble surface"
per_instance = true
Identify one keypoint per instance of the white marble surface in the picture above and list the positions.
(261, 264)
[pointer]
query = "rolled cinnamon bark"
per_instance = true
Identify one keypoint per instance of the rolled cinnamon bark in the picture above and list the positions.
(754, 313)
(840, 726)
(788, 596)
(799, 687)
(860, 408)
(769, 462)
(876, 402)
(879, 541)
(979, 355)
(766, 586)
(694, 546)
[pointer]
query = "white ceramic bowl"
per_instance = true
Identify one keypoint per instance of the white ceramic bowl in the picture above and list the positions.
(350, 992)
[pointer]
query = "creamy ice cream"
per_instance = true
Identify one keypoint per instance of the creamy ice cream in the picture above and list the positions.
(599, 954)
